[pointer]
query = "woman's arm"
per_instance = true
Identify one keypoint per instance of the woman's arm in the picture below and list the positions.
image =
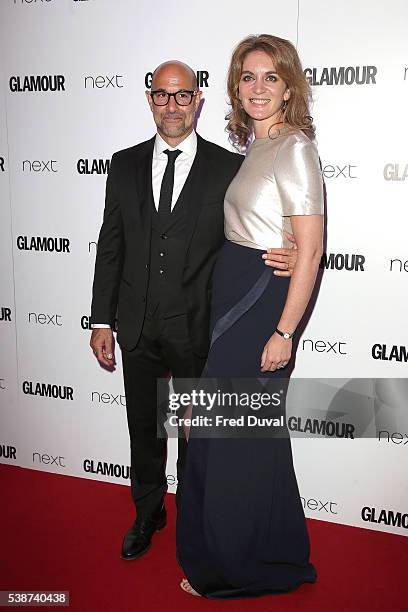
(308, 232)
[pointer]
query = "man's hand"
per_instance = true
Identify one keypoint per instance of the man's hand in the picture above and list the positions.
(102, 345)
(283, 259)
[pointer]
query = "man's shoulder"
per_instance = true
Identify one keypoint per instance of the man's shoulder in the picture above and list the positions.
(218, 153)
(135, 151)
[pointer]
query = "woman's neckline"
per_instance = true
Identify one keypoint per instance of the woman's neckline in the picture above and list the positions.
(277, 134)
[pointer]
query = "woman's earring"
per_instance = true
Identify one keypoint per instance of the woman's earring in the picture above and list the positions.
(284, 105)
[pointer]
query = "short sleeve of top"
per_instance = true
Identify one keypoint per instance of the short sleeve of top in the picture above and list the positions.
(298, 177)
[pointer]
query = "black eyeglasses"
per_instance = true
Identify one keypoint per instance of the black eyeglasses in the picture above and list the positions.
(183, 97)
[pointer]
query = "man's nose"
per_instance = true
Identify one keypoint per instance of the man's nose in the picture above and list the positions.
(172, 105)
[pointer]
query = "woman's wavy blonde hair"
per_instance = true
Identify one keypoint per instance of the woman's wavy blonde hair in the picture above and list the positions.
(289, 68)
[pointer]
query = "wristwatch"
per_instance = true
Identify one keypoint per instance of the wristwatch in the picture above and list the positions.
(286, 335)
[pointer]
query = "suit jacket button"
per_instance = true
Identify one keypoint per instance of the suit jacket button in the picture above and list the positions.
(164, 236)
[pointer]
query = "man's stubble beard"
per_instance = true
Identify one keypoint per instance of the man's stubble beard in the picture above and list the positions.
(175, 132)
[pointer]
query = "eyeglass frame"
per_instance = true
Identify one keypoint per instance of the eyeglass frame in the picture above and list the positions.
(192, 92)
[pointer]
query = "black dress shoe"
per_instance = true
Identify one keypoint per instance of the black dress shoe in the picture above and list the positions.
(137, 540)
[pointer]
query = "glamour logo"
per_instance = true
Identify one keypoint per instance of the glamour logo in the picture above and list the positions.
(93, 166)
(324, 346)
(46, 82)
(201, 75)
(343, 261)
(86, 323)
(334, 171)
(331, 429)
(2, 164)
(395, 172)
(48, 459)
(8, 452)
(31, 1)
(108, 398)
(5, 314)
(48, 390)
(40, 165)
(92, 246)
(43, 243)
(395, 353)
(44, 319)
(318, 505)
(342, 75)
(396, 437)
(401, 265)
(387, 517)
(106, 469)
(103, 82)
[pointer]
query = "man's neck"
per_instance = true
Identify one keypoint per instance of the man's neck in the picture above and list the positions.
(173, 142)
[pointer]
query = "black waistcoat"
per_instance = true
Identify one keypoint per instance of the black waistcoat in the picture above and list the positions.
(167, 253)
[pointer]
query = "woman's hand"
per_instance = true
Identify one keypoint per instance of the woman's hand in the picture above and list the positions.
(276, 353)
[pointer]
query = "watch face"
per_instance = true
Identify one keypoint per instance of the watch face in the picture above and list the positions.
(286, 335)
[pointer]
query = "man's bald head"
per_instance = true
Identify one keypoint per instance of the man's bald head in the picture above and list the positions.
(180, 70)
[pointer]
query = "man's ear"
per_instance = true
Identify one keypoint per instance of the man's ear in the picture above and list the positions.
(198, 97)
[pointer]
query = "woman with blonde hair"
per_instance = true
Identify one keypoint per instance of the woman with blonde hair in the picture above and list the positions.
(241, 529)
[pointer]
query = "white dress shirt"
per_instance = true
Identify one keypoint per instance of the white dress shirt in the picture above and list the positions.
(184, 161)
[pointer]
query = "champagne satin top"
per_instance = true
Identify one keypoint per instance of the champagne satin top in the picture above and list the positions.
(279, 177)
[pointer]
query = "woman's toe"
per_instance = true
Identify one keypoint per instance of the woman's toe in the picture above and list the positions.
(186, 586)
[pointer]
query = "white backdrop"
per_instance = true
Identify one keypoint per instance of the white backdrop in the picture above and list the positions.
(103, 51)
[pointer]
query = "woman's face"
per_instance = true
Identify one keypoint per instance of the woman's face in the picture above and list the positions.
(261, 91)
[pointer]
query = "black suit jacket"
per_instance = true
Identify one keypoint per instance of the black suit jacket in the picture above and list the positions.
(121, 266)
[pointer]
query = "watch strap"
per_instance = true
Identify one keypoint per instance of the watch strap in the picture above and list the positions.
(286, 335)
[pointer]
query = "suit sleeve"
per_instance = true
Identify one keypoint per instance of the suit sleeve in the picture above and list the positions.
(299, 179)
(109, 256)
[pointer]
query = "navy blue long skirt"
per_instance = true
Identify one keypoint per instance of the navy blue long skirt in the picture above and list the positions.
(241, 528)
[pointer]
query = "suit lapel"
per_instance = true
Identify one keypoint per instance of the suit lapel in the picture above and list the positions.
(194, 188)
(144, 185)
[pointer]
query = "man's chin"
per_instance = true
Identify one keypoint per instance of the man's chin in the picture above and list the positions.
(174, 132)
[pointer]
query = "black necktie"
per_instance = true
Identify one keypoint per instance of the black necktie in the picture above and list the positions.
(166, 189)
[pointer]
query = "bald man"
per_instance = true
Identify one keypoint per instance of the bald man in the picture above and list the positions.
(162, 228)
